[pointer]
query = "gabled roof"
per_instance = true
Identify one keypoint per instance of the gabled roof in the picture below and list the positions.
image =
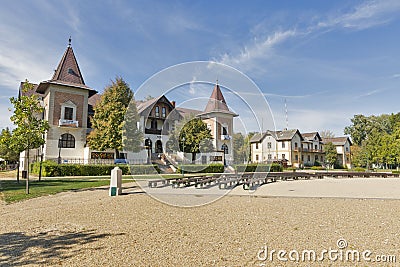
(217, 103)
(311, 136)
(277, 135)
(144, 108)
(337, 141)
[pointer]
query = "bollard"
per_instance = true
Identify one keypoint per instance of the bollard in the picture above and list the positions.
(116, 182)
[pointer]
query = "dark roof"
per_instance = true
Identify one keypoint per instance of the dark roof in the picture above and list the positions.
(30, 92)
(217, 103)
(277, 135)
(311, 136)
(68, 69)
(187, 111)
(337, 141)
(67, 74)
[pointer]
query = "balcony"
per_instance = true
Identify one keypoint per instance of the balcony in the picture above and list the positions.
(226, 137)
(68, 123)
(152, 131)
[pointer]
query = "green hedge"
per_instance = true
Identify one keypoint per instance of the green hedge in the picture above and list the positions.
(317, 168)
(358, 169)
(51, 169)
(253, 167)
(197, 168)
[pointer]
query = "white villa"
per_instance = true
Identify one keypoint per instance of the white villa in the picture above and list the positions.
(292, 148)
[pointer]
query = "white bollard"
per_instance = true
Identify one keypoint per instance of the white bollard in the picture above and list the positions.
(116, 182)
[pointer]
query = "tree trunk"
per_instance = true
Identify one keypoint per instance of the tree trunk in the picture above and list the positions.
(18, 172)
(193, 157)
(27, 174)
(40, 167)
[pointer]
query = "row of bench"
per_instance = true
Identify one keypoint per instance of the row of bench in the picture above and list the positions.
(250, 180)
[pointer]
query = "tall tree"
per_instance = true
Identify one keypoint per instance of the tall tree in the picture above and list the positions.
(191, 135)
(30, 127)
(330, 154)
(108, 121)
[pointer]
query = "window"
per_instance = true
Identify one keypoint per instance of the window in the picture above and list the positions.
(68, 113)
(308, 158)
(283, 156)
(283, 144)
(295, 145)
(269, 156)
(269, 145)
(302, 157)
(256, 157)
(153, 124)
(256, 145)
(224, 131)
(157, 110)
(66, 141)
(316, 147)
(296, 157)
(163, 112)
(316, 157)
(347, 149)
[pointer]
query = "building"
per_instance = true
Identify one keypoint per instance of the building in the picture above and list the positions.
(292, 148)
(69, 103)
(343, 149)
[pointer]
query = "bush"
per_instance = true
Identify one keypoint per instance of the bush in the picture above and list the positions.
(317, 168)
(395, 171)
(254, 167)
(51, 169)
(197, 168)
(358, 169)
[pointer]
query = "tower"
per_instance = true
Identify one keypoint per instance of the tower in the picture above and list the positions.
(65, 98)
(219, 120)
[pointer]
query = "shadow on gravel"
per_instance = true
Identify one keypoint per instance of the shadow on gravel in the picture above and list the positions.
(48, 248)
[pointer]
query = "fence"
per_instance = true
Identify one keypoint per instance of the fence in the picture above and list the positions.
(99, 161)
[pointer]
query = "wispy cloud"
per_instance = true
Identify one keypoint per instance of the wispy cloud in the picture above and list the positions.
(370, 93)
(363, 16)
(366, 15)
(397, 75)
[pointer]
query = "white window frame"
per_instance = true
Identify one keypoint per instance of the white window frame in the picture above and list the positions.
(68, 104)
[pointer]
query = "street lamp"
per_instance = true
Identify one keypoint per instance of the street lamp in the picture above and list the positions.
(225, 150)
(183, 158)
(59, 150)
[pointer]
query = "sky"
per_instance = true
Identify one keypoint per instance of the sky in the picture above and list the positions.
(328, 60)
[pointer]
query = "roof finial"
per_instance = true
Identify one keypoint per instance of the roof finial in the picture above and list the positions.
(69, 41)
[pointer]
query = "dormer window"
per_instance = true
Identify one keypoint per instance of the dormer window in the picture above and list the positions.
(68, 115)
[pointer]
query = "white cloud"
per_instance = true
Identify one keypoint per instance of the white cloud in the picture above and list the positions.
(397, 75)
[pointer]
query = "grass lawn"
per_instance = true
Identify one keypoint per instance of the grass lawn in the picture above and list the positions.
(10, 191)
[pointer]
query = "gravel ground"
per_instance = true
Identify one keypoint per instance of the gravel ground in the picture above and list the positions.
(89, 228)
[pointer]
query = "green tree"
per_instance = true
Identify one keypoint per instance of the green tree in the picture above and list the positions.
(239, 148)
(108, 122)
(191, 135)
(30, 127)
(330, 154)
(7, 151)
(326, 134)
(132, 135)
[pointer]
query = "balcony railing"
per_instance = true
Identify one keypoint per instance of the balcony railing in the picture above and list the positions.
(68, 123)
(226, 137)
(299, 149)
(152, 131)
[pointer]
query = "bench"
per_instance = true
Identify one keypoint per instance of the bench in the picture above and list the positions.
(154, 183)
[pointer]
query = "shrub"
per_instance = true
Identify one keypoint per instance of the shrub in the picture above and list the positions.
(197, 168)
(395, 171)
(254, 167)
(358, 169)
(51, 168)
(317, 168)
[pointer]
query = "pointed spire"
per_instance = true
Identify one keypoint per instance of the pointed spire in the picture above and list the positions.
(217, 101)
(68, 68)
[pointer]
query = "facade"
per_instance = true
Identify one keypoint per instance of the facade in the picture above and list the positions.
(343, 149)
(296, 149)
(69, 103)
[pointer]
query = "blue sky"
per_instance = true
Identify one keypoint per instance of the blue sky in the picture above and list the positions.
(328, 59)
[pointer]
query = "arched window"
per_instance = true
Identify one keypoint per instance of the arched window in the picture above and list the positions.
(66, 141)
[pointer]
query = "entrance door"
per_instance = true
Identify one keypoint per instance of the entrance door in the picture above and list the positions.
(159, 148)
(203, 160)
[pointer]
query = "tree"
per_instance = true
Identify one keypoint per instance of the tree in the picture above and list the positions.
(191, 135)
(108, 121)
(330, 154)
(132, 135)
(326, 134)
(6, 147)
(239, 149)
(30, 127)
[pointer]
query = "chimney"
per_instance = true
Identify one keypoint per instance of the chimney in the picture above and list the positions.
(173, 103)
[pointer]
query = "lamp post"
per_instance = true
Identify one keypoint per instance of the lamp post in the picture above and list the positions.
(225, 150)
(183, 151)
(59, 150)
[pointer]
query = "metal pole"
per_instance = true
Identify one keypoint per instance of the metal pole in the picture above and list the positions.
(183, 158)
(59, 150)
